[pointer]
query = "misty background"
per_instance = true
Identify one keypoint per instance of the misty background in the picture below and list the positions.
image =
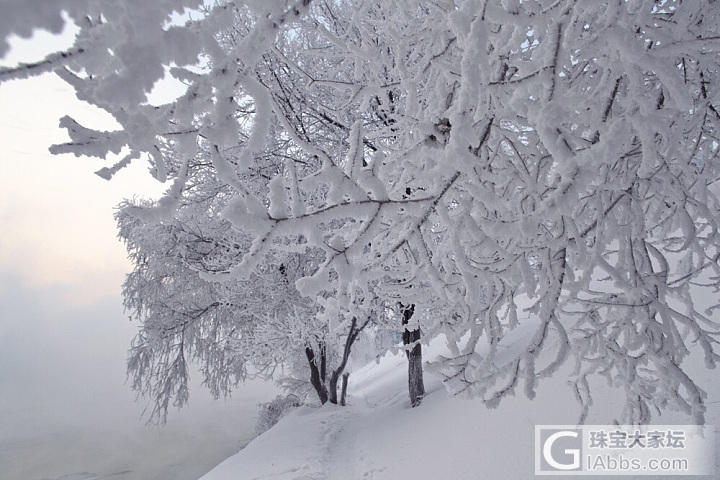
(65, 407)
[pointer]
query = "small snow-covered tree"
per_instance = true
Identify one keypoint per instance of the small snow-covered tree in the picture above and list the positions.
(256, 327)
(550, 159)
(259, 327)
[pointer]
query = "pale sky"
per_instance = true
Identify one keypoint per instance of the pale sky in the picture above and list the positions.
(64, 404)
(57, 215)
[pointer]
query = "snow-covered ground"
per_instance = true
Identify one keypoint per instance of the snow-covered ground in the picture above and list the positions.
(379, 437)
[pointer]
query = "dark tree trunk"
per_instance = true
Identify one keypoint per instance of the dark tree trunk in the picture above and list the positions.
(323, 363)
(335, 376)
(343, 389)
(416, 385)
(315, 379)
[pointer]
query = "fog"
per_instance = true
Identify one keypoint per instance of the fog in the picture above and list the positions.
(64, 406)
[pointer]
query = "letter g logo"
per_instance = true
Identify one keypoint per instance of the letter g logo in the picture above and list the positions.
(573, 452)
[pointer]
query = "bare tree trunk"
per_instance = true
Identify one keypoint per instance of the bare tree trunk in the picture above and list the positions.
(343, 389)
(335, 376)
(315, 379)
(323, 363)
(416, 386)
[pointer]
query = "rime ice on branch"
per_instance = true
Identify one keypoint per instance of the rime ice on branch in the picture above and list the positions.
(547, 167)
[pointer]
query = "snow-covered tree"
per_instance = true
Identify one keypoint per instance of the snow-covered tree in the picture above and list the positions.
(543, 170)
(257, 327)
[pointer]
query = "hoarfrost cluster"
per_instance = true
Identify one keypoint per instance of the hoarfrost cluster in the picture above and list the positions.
(548, 166)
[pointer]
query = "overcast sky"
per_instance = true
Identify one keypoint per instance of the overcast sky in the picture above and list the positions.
(64, 405)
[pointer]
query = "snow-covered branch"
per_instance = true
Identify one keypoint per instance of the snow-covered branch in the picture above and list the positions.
(541, 175)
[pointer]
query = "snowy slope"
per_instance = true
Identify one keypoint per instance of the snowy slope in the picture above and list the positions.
(379, 437)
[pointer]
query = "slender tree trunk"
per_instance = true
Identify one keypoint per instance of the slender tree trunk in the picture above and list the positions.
(416, 386)
(323, 363)
(335, 376)
(343, 389)
(315, 379)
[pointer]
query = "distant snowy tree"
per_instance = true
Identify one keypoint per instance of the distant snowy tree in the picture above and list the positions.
(544, 170)
(258, 327)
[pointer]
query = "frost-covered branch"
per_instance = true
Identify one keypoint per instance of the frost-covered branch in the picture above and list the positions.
(540, 175)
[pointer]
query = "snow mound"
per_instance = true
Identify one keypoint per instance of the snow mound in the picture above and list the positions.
(379, 437)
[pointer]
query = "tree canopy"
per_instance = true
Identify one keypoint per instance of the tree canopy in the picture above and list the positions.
(546, 167)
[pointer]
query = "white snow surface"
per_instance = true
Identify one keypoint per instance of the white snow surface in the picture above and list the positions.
(379, 437)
